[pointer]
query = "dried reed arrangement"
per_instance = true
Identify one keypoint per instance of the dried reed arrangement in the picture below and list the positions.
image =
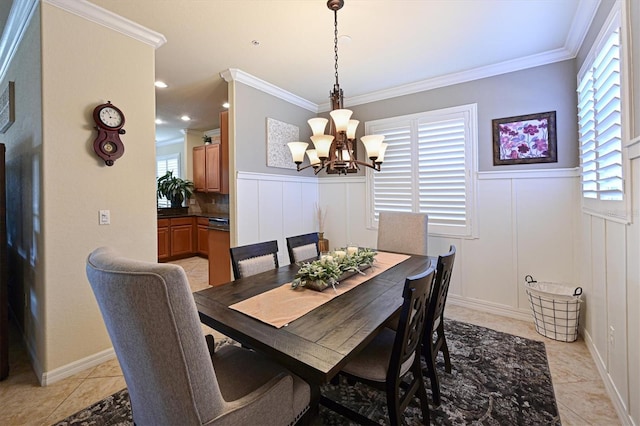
(322, 215)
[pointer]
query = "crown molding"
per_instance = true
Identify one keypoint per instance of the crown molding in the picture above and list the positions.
(234, 74)
(15, 27)
(457, 78)
(585, 13)
(106, 18)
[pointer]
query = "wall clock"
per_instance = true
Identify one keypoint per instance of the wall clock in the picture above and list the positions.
(109, 121)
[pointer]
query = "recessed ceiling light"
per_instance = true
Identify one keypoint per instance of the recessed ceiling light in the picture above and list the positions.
(185, 118)
(158, 121)
(160, 84)
(225, 105)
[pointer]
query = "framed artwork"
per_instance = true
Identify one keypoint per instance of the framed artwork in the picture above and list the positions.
(7, 107)
(278, 135)
(525, 139)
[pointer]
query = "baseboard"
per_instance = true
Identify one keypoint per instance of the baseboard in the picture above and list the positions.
(50, 377)
(616, 398)
(490, 308)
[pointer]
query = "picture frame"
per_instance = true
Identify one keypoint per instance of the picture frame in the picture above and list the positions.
(7, 107)
(525, 139)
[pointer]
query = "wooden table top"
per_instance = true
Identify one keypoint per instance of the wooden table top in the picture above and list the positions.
(317, 345)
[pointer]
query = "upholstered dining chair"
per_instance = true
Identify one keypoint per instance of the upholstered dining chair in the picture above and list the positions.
(434, 339)
(171, 375)
(385, 363)
(302, 247)
(252, 259)
(403, 232)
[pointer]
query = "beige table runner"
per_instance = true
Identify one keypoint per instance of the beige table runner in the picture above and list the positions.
(280, 306)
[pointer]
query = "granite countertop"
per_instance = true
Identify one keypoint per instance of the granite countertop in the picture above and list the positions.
(168, 214)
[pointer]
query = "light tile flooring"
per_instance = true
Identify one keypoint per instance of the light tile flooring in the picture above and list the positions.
(580, 393)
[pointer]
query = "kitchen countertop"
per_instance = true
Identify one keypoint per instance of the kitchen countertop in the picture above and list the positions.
(207, 215)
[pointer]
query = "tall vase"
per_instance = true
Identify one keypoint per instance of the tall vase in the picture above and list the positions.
(323, 243)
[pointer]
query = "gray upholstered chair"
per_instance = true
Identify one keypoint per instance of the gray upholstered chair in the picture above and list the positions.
(403, 232)
(303, 247)
(391, 361)
(253, 259)
(171, 375)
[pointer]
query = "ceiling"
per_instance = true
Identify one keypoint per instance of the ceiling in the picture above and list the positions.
(289, 43)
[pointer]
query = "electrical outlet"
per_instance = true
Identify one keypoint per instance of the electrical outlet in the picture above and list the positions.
(104, 217)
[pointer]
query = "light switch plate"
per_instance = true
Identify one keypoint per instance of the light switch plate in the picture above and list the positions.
(104, 217)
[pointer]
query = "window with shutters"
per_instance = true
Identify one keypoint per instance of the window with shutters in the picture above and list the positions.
(165, 164)
(429, 166)
(600, 126)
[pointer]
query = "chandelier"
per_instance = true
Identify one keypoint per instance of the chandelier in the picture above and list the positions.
(335, 152)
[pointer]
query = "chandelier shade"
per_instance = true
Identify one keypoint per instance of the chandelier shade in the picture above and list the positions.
(336, 152)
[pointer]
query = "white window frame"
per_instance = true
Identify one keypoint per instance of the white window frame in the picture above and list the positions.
(163, 202)
(470, 114)
(613, 210)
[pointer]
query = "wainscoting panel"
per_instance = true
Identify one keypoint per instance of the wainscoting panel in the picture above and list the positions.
(274, 207)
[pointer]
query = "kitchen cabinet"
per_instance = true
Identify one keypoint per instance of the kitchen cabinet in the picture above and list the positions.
(164, 247)
(176, 238)
(202, 230)
(211, 162)
(219, 257)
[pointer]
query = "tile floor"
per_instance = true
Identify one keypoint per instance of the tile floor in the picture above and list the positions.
(580, 393)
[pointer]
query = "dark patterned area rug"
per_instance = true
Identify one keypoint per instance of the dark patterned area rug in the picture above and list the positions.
(496, 379)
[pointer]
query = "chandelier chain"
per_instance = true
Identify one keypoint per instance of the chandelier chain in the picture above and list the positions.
(335, 41)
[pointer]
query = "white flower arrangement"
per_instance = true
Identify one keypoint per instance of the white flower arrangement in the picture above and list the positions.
(328, 270)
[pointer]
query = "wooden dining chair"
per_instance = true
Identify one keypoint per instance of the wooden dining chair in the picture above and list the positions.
(252, 259)
(403, 232)
(434, 339)
(385, 363)
(303, 247)
(173, 378)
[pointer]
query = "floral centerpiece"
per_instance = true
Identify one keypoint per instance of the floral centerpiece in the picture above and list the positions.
(330, 269)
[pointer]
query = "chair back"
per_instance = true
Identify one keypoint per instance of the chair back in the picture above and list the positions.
(254, 258)
(417, 290)
(302, 247)
(403, 232)
(153, 323)
(440, 290)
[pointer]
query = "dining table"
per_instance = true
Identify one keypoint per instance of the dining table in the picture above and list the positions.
(317, 345)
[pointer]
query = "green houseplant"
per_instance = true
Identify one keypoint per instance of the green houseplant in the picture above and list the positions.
(174, 189)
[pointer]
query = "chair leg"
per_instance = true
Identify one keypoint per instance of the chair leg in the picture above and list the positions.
(211, 344)
(393, 404)
(443, 347)
(430, 360)
(424, 404)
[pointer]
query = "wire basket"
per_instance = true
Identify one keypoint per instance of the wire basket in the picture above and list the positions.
(556, 309)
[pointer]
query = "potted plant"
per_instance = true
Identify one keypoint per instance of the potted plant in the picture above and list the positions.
(174, 189)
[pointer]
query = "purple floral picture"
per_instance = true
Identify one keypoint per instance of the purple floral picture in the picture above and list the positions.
(525, 139)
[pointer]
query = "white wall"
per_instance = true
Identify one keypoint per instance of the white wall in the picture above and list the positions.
(526, 226)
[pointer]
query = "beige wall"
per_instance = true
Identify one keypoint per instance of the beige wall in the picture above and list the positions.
(61, 184)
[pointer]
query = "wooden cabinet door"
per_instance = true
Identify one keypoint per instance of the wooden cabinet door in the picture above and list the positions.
(164, 247)
(182, 240)
(219, 257)
(203, 236)
(212, 153)
(199, 168)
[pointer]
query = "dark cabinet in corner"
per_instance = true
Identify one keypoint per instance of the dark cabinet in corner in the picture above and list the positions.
(211, 162)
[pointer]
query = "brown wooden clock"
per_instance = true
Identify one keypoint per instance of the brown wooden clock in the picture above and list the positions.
(109, 121)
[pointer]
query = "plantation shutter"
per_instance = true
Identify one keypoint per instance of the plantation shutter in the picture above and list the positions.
(427, 168)
(393, 188)
(441, 171)
(600, 126)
